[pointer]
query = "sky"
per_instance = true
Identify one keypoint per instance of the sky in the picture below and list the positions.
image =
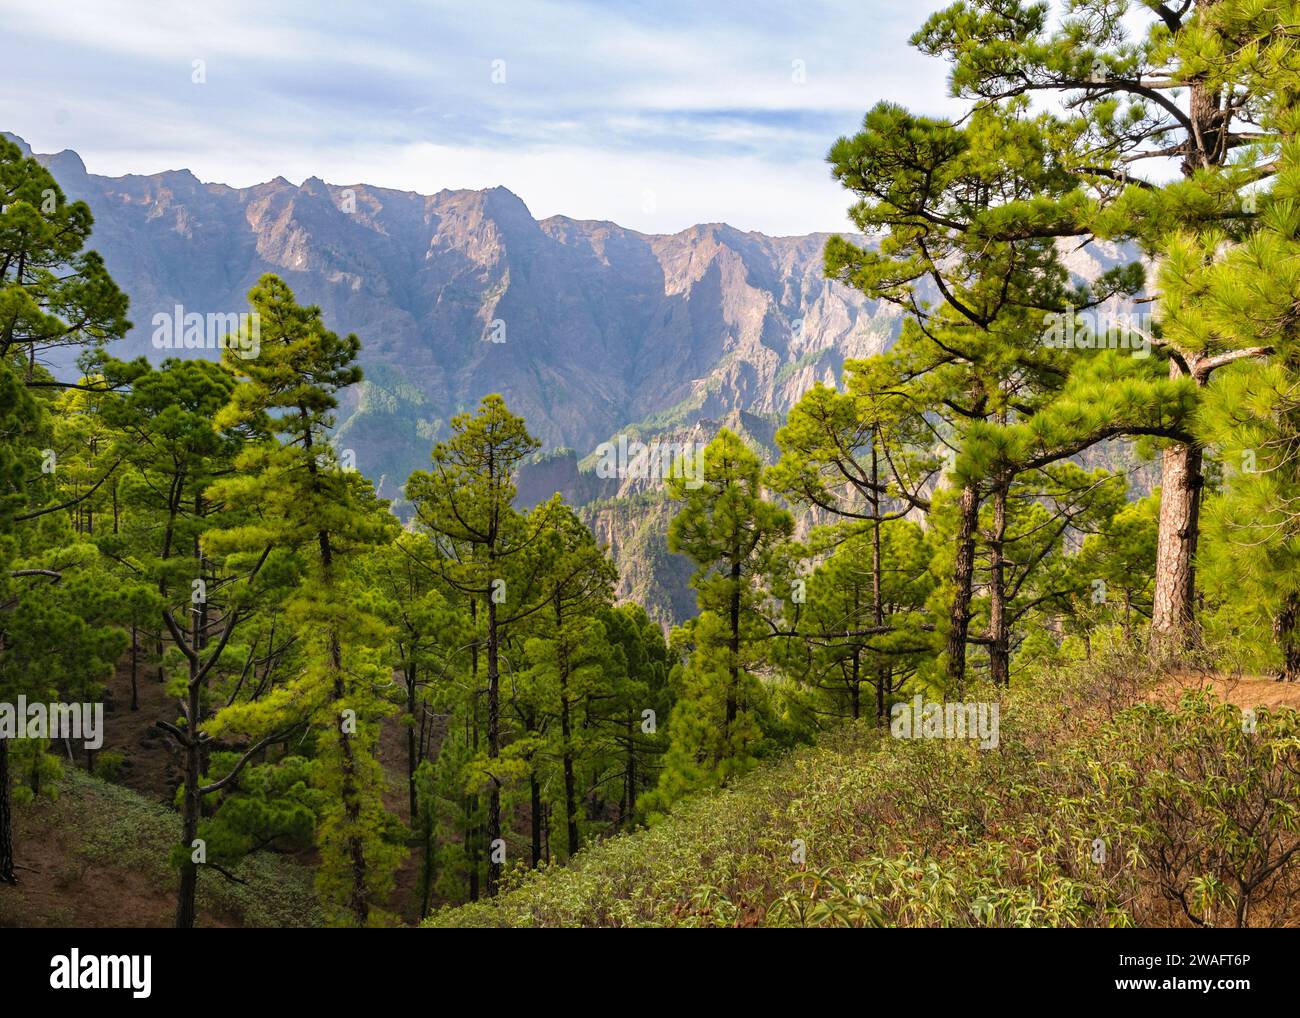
(655, 115)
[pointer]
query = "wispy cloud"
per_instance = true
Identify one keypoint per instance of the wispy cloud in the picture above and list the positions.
(655, 115)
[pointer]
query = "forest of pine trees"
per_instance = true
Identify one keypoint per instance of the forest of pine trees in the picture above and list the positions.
(957, 512)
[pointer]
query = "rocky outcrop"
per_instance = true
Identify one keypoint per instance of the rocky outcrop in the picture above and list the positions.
(586, 328)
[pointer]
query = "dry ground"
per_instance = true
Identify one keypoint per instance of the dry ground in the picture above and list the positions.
(1238, 690)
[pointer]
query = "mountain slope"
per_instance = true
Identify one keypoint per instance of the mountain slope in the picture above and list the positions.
(584, 327)
(868, 830)
(590, 331)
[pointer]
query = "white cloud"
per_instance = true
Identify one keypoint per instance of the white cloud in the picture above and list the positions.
(601, 102)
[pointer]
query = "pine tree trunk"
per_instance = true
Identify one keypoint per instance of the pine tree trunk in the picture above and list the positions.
(1173, 617)
(570, 783)
(1286, 631)
(535, 802)
(412, 751)
(201, 632)
(6, 819)
(877, 580)
(472, 847)
(473, 860)
(999, 634)
(1173, 612)
(733, 684)
(494, 750)
(566, 735)
(631, 769)
(427, 864)
(185, 903)
(135, 668)
(962, 578)
(359, 898)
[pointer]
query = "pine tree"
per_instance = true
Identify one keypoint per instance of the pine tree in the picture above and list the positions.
(941, 195)
(1119, 78)
(1122, 556)
(52, 293)
(429, 632)
(466, 504)
(858, 622)
(1252, 415)
(171, 452)
(302, 500)
(729, 529)
(1028, 571)
(571, 654)
(862, 456)
(641, 697)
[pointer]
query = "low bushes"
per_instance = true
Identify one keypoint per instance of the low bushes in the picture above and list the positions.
(1098, 809)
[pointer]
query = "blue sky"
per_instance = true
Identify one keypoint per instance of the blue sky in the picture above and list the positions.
(653, 115)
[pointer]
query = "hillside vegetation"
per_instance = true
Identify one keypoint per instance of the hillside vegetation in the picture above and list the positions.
(427, 701)
(1107, 803)
(99, 856)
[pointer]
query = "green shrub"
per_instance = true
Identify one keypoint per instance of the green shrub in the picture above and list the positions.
(108, 766)
(1095, 810)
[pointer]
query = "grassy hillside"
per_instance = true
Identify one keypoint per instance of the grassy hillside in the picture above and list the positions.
(1110, 802)
(97, 855)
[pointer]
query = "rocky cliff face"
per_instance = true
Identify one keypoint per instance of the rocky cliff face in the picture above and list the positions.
(592, 332)
(586, 328)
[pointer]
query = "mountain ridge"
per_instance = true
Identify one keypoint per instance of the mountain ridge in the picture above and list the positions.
(602, 326)
(590, 330)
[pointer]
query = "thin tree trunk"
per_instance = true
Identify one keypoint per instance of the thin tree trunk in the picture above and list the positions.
(359, 898)
(999, 635)
(733, 685)
(427, 873)
(6, 819)
(570, 783)
(535, 809)
(962, 578)
(566, 732)
(631, 769)
(877, 581)
(471, 800)
(135, 660)
(412, 752)
(190, 805)
(494, 750)
(1286, 630)
(201, 632)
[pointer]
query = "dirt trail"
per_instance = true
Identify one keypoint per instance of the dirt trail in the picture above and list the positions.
(1238, 690)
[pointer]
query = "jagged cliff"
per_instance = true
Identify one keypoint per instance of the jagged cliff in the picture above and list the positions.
(585, 327)
(589, 330)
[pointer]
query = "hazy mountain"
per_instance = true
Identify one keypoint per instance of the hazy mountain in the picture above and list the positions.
(600, 327)
(588, 329)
